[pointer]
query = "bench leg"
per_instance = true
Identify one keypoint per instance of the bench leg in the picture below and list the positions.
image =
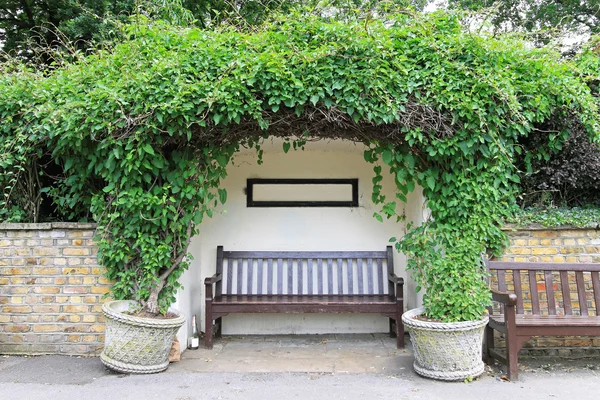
(219, 324)
(399, 327)
(514, 344)
(488, 343)
(392, 327)
(209, 328)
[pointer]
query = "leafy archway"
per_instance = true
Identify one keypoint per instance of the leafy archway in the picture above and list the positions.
(144, 133)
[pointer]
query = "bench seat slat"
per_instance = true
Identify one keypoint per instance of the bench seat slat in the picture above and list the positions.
(370, 284)
(596, 287)
(518, 290)
(535, 298)
(566, 293)
(583, 307)
(550, 292)
(359, 275)
(340, 276)
(552, 320)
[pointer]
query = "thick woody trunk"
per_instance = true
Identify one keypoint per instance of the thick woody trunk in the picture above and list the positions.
(151, 305)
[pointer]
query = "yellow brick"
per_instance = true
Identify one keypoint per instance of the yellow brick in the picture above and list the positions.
(89, 280)
(76, 271)
(45, 328)
(75, 280)
(97, 328)
(545, 234)
(60, 281)
(558, 259)
(100, 289)
(569, 242)
(69, 251)
(61, 299)
(46, 309)
(75, 299)
(73, 338)
(89, 318)
(533, 242)
(75, 309)
(546, 242)
(102, 280)
(16, 309)
(571, 259)
(46, 271)
(90, 299)
(3, 281)
(19, 290)
(17, 271)
(4, 318)
(16, 300)
(572, 250)
(48, 290)
(13, 328)
(75, 318)
(45, 251)
(60, 261)
(89, 338)
(544, 251)
(77, 242)
(519, 242)
(518, 250)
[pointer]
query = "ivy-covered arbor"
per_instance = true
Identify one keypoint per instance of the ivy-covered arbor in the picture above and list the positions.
(142, 133)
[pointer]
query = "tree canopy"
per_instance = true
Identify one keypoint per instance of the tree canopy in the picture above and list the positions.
(27, 26)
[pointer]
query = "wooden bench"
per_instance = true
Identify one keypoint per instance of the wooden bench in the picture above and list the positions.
(304, 282)
(548, 290)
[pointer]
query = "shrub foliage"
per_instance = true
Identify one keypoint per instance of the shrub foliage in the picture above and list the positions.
(143, 133)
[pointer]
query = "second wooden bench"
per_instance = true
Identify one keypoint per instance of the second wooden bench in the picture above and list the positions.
(536, 300)
(304, 282)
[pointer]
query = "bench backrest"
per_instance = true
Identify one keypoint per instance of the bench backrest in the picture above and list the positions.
(304, 272)
(550, 288)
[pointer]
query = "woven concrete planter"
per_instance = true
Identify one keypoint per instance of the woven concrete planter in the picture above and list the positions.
(137, 345)
(447, 351)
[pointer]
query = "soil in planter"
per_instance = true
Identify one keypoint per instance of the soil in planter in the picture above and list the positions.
(422, 317)
(146, 314)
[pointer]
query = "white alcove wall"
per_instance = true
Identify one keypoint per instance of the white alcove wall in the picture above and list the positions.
(238, 227)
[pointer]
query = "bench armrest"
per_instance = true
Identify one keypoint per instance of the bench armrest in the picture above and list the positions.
(213, 279)
(509, 299)
(396, 279)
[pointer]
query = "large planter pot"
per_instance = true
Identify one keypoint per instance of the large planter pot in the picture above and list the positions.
(449, 351)
(134, 344)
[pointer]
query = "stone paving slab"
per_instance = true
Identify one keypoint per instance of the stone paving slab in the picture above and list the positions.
(299, 353)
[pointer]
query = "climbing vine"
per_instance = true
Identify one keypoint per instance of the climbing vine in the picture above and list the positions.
(143, 133)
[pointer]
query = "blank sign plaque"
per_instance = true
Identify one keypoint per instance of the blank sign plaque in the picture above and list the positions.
(302, 193)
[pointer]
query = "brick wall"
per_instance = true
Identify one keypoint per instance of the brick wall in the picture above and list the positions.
(51, 290)
(572, 245)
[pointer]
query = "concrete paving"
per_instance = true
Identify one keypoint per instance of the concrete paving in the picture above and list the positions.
(291, 367)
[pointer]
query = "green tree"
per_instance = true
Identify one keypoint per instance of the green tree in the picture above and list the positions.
(28, 25)
(533, 16)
